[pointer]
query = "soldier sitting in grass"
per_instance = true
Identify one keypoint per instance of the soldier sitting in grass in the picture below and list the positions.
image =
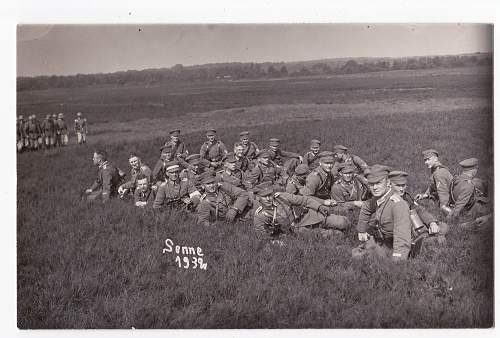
(221, 200)
(243, 163)
(295, 183)
(230, 174)
(108, 178)
(391, 220)
(344, 156)
(466, 197)
(212, 151)
(143, 195)
(311, 158)
(264, 171)
(285, 160)
(137, 167)
(194, 171)
(426, 222)
(176, 191)
(348, 191)
(250, 149)
(159, 174)
(276, 214)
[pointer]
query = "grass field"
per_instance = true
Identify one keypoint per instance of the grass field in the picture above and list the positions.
(84, 265)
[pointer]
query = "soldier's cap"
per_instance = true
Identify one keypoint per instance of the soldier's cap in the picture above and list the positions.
(327, 159)
(172, 167)
(193, 159)
(264, 189)
(78, 114)
(244, 133)
(428, 153)
(209, 178)
(470, 163)
(346, 168)
(274, 141)
(21, 117)
(398, 177)
(230, 158)
(101, 152)
(315, 143)
(264, 154)
(302, 169)
(377, 173)
(175, 132)
(339, 147)
(326, 153)
(211, 132)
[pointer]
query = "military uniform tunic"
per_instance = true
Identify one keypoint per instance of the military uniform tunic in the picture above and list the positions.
(251, 150)
(219, 202)
(235, 178)
(439, 188)
(318, 184)
(294, 185)
(213, 151)
(144, 169)
(171, 192)
(281, 216)
(106, 184)
(392, 215)
(312, 160)
(262, 173)
(462, 197)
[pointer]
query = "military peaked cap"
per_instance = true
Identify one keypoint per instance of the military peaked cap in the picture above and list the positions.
(340, 147)
(428, 153)
(398, 177)
(469, 163)
(264, 154)
(193, 159)
(244, 133)
(208, 178)
(328, 159)
(274, 141)
(211, 132)
(315, 143)
(175, 132)
(377, 173)
(172, 167)
(230, 158)
(346, 168)
(265, 189)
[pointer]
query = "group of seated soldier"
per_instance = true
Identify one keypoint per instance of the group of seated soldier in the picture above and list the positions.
(282, 192)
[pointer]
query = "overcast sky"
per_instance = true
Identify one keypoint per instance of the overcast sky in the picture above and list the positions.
(72, 49)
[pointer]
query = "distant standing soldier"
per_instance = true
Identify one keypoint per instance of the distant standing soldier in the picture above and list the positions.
(392, 219)
(439, 188)
(276, 214)
(348, 191)
(137, 168)
(143, 195)
(213, 151)
(81, 128)
(33, 132)
(221, 200)
(320, 181)
(250, 149)
(175, 191)
(48, 131)
(297, 182)
(230, 174)
(342, 154)
(61, 130)
(108, 178)
(465, 197)
(20, 133)
(311, 158)
(284, 159)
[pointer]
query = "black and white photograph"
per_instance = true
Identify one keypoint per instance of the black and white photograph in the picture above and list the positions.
(254, 176)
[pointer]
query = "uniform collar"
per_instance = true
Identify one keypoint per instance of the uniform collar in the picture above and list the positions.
(103, 164)
(384, 198)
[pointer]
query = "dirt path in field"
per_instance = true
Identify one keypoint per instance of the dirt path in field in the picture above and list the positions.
(144, 129)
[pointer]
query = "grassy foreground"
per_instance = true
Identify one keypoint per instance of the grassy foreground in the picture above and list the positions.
(82, 265)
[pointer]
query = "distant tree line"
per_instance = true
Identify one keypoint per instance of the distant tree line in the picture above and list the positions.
(236, 71)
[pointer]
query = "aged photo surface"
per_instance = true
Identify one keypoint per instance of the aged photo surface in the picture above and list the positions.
(255, 176)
